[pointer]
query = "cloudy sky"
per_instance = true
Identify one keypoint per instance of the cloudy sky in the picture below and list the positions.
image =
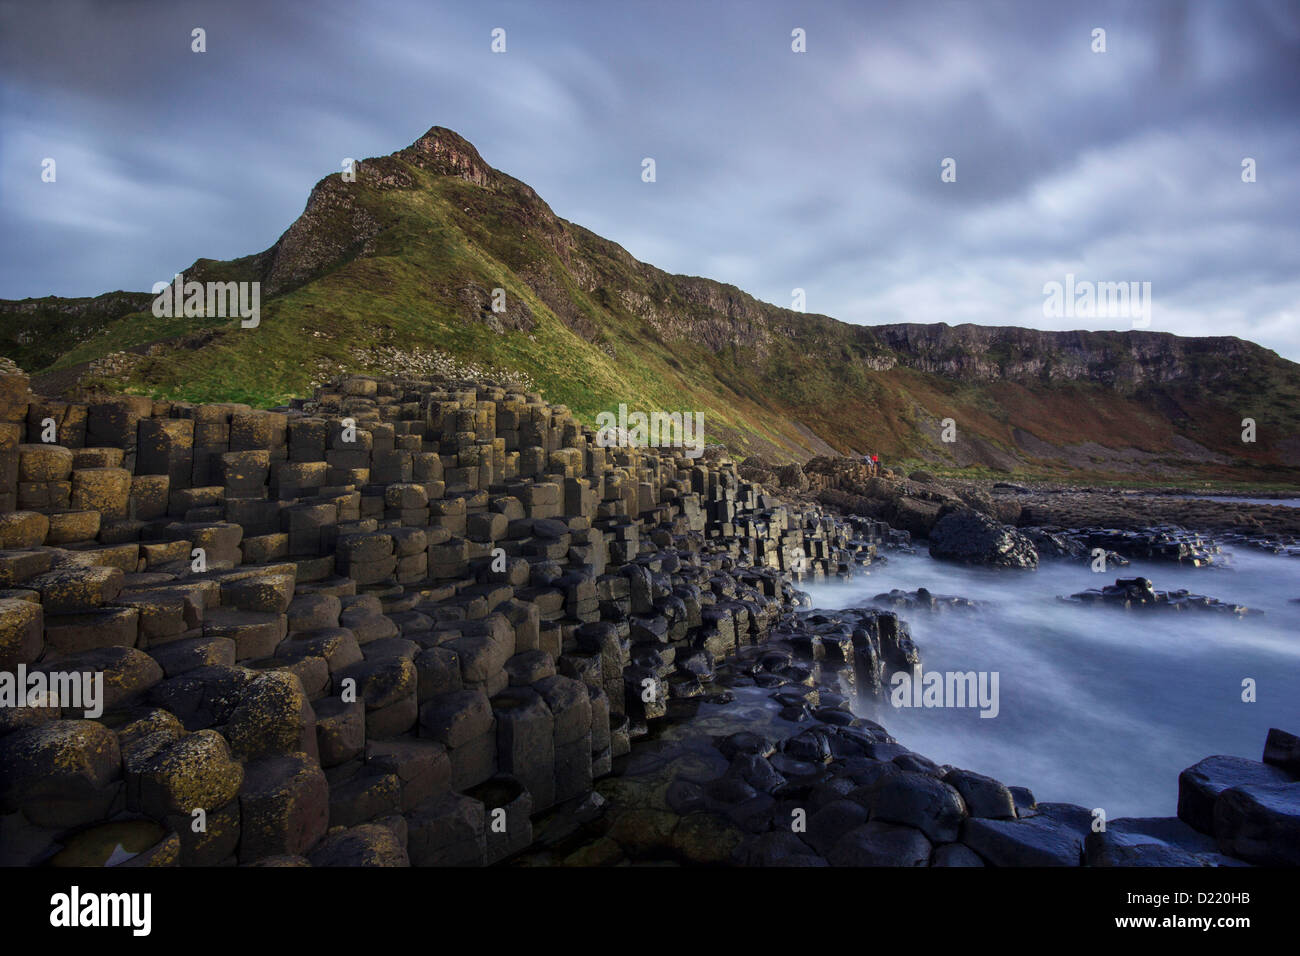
(776, 170)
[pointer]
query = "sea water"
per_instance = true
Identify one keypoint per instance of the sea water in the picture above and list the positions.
(1099, 706)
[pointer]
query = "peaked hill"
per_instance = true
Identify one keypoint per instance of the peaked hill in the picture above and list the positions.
(395, 272)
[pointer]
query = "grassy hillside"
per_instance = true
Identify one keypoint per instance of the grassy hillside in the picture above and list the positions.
(396, 272)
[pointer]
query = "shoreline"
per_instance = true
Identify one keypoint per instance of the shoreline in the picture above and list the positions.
(367, 627)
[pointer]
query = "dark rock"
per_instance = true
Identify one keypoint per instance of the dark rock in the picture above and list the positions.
(1042, 840)
(831, 822)
(984, 796)
(1260, 824)
(919, 800)
(970, 537)
(1282, 750)
(1151, 841)
(779, 848)
(1199, 786)
(881, 844)
(955, 854)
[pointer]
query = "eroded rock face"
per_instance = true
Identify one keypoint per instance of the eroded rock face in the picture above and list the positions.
(970, 537)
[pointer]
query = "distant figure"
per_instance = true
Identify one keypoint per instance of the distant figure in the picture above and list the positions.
(875, 465)
(870, 462)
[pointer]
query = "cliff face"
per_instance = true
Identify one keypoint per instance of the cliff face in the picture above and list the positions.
(1122, 360)
(404, 264)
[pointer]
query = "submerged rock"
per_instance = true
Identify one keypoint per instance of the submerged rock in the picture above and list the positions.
(1139, 593)
(922, 599)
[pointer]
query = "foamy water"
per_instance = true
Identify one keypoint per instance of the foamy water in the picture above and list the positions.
(1098, 706)
(1234, 499)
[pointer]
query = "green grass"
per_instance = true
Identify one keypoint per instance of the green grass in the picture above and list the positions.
(759, 390)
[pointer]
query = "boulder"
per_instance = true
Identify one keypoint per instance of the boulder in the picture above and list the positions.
(1049, 838)
(969, 537)
(984, 796)
(1260, 824)
(196, 772)
(921, 801)
(1199, 786)
(881, 844)
(60, 773)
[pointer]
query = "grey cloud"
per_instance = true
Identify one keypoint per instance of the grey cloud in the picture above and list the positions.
(776, 170)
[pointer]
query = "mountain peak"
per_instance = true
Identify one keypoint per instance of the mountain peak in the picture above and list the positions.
(447, 153)
(407, 267)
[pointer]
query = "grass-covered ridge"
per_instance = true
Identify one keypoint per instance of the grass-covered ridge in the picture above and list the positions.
(398, 267)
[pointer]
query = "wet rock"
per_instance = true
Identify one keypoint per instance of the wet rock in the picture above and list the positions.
(921, 600)
(779, 848)
(1139, 593)
(1260, 823)
(1151, 841)
(797, 771)
(1153, 543)
(955, 854)
(643, 832)
(812, 745)
(729, 790)
(921, 801)
(1026, 805)
(917, 764)
(685, 796)
(1282, 750)
(829, 824)
(970, 537)
(756, 771)
(881, 844)
(1046, 839)
(706, 839)
(1199, 786)
(983, 796)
